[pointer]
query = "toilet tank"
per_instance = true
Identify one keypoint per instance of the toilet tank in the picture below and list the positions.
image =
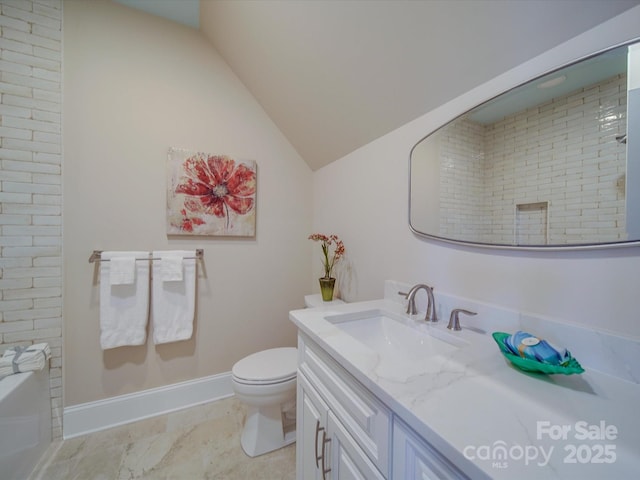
(313, 301)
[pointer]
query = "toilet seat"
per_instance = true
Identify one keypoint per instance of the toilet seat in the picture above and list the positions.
(268, 367)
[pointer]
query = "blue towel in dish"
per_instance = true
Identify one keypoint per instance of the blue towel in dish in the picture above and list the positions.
(529, 346)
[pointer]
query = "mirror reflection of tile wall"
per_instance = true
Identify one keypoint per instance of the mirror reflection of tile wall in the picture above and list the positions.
(563, 152)
(633, 145)
(532, 223)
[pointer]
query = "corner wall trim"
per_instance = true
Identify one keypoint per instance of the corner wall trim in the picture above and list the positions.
(111, 412)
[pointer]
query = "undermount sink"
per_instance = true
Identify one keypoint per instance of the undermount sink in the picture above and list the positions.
(388, 333)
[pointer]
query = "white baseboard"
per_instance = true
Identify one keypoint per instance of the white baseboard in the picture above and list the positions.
(111, 412)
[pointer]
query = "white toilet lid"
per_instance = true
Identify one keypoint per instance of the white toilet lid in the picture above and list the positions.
(276, 364)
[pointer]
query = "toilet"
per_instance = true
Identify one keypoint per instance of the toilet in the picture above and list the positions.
(266, 383)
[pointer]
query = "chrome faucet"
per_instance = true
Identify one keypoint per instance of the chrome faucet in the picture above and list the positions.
(431, 315)
(454, 321)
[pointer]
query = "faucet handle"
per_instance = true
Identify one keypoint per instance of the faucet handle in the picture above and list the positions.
(454, 321)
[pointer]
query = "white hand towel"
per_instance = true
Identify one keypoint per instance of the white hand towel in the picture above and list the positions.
(24, 359)
(171, 267)
(124, 309)
(173, 302)
(122, 270)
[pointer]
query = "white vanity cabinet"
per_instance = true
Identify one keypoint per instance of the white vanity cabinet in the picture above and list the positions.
(344, 432)
(325, 450)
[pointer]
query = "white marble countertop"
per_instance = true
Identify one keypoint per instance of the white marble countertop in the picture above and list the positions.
(471, 404)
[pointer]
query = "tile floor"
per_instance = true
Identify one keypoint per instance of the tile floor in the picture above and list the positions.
(201, 442)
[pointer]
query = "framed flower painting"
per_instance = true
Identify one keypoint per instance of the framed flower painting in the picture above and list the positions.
(210, 194)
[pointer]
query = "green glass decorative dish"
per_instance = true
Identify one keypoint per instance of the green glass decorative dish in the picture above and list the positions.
(526, 364)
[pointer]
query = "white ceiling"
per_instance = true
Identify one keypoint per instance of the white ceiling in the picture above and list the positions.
(335, 75)
(186, 12)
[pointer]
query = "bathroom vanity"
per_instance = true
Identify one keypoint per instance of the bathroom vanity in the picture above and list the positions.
(365, 439)
(385, 395)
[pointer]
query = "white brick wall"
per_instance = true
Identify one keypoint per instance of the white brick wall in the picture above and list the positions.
(31, 182)
(563, 152)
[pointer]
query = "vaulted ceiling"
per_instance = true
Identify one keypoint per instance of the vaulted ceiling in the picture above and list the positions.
(335, 75)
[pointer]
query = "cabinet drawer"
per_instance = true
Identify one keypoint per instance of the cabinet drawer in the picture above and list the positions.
(364, 417)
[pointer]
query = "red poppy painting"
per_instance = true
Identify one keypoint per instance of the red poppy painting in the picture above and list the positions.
(210, 194)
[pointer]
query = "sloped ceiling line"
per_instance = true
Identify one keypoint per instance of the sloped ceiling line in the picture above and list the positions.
(336, 75)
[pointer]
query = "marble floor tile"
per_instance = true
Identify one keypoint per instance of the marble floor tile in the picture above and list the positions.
(201, 442)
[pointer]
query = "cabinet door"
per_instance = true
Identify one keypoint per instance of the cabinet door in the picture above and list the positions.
(310, 431)
(367, 420)
(415, 459)
(348, 461)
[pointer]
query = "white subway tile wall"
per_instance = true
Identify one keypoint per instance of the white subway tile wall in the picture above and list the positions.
(31, 182)
(563, 152)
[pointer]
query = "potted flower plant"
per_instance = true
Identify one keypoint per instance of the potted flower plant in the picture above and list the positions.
(332, 250)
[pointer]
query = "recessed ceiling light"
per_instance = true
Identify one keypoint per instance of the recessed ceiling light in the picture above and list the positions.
(552, 82)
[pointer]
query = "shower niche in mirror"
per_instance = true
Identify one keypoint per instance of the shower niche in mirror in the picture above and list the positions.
(552, 163)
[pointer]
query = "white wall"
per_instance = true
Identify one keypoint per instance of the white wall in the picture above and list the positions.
(136, 85)
(363, 198)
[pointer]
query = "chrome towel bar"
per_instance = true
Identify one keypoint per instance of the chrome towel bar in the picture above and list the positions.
(96, 256)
